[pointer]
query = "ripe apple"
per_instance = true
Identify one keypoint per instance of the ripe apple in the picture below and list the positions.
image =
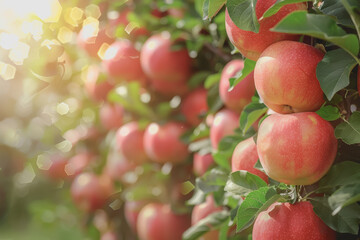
(161, 62)
(251, 44)
(109, 235)
(90, 192)
(56, 168)
(122, 61)
(244, 158)
(111, 116)
(169, 89)
(132, 210)
(225, 122)
(194, 105)
(203, 210)
(91, 41)
(157, 221)
(117, 167)
(202, 163)
(79, 163)
(286, 85)
(130, 143)
(96, 84)
(296, 149)
(241, 94)
(285, 221)
(163, 144)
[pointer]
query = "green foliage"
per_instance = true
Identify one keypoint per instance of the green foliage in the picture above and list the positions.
(278, 5)
(251, 113)
(242, 13)
(349, 131)
(249, 66)
(329, 113)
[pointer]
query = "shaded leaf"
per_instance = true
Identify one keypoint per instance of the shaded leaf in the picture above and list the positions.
(349, 131)
(336, 8)
(249, 66)
(278, 5)
(212, 7)
(243, 182)
(242, 13)
(251, 113)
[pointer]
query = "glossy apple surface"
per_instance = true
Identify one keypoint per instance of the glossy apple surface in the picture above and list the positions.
(202, 163)
(132, 210)
(224, 124)
(194, 105)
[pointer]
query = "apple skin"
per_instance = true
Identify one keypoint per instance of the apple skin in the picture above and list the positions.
(203, 210)
(285, 84)
(110, 235)
(296, 149)
(251, 44)
(160, 62)
(111, 116)
(97, 90)
(163, 144)
(156, 221)
(169, 89)
(117, 167)
(78, 163)
(92, 44)
(224, 124)
(241, 94)
(130, 143)
(56, 170)
(202, 163)
(131, 211)
(194, 105)
(122, 60)
(90, 192)
(285, 221)
(244, 158)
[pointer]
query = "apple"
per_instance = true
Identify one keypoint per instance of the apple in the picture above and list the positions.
(109, 235)
(202, 163)
(91, 41)
(284, 82)
(132, 210)
(157, 221)
(111, 116)
(241, 94)
(296, 149)
(169, 89)
(162, 142)
(203, 210)
(251, 44)
(285, 221)
(130, 143)
(117, 167)
(122, 61)
(224, 124)
(79, 163)
(194, 106)
(244, 158)
(161, 62)
(96, 84)
(90, 192)
(56, 169)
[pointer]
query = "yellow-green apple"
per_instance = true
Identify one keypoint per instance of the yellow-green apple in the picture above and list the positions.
(122, 61)
(91, 39)
(163, 144)
(97, 84)
(244, 158)
(285, 221)
(111, 116)
(296, 149)
(157, 221)
(202, 163)
(161, 62)
(284, 84)
(130, 143)
(241, 94)
(224, 124)
(194, 106)
(132, 210)
(251, 44)
(90, 192)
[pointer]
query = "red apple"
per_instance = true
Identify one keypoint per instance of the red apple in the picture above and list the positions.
(160, 62)
(202, 163)
(169, 89)
(194, 105)
(251, 44)
(284, 82)
(225, 122)
(130, 143)
(117, 166)
(90, 40)
(157, 221)
(296, 149)
(122, 61)
(132, 210)
(111, 116)
(79, 163)
(90, 192)
(109, 235)
(96, 84)
(244, 158)
(285, 221)
(241, 94)
(163, 144)
(56, 168)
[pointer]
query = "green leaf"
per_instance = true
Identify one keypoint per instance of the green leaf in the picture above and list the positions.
(213, 99)
(197, 78)
(333, 71)
(349, 131)
(211, 8)
(259, 166)
(211, 80)
(353, 8)
(203, 226)
(249, 66)
(341, 174)
(243, 182)
(320, 26)
(336, 8)
(345, 196)
(278, 5)
(345, 221)
(212, 181)
(329, 113)
(251, 113)
(242, 13)
(254, 203)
